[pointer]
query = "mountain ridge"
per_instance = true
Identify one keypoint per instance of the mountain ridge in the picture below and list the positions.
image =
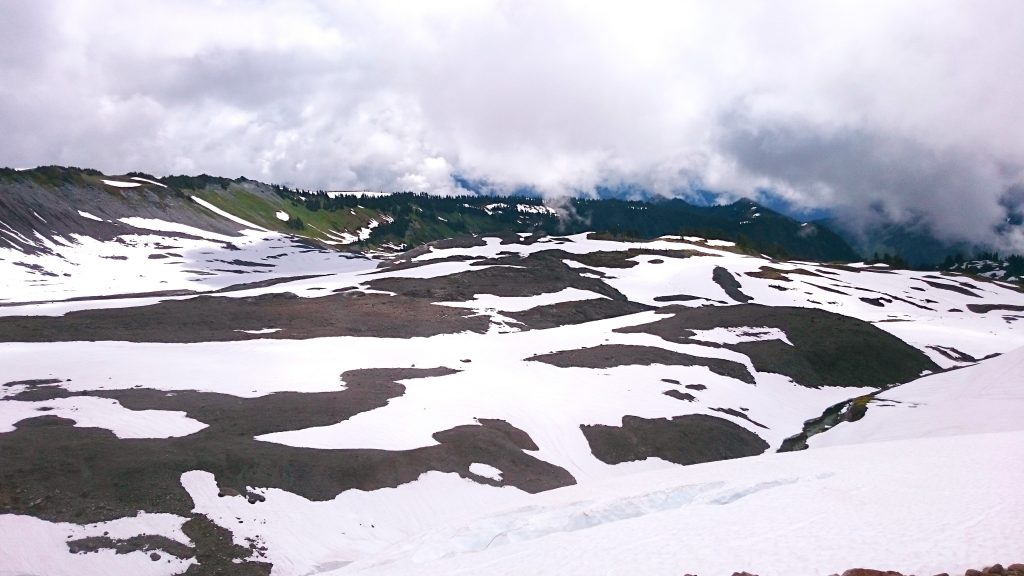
(32, 199)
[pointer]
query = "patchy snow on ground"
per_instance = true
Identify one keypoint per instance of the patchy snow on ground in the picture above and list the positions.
(520, 303)
(282, 215)
(739, 334)
(85, 214)
(814, 512)
(92, 412)
(899, 489)
(32, 546)
(985, 397)
(306, 537)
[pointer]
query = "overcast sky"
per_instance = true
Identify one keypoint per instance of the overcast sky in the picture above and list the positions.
(875, 110)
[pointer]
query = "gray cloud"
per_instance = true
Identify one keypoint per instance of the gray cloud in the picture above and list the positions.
(904, 111)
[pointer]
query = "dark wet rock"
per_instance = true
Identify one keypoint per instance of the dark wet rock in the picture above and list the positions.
(212, 318)
(61, 473)
(43, 421)
(512, 275)
(772, 273)
(401, 264)
(729, 284)
(953, 354)
(575, 312)
(144, 543)
(951, 288)
(684, 298)
(983, 308)
(266, 283)
(670, 381)
(35, 383)
(827, 349)
(611, 355)
(217, 554)
(827, 289)
(870, 572)
(680, 395)
(626, 258)
(689, 439)
(696, 387)
(738, 414)
(880, 302)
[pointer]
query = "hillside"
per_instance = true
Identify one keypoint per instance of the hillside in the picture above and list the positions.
(190, 386)
(48, 201)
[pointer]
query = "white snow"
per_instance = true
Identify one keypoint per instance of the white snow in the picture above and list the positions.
(33, 546)
(164, 226)
(93, 412)
(485, 470)
(148, 181)
(85, 214)
(226, 214)
(814, 512)
(520, 303)
(306, 537)
(899, 489)
(282, 215)
(740, 334)
(985, 397)
(121, 184)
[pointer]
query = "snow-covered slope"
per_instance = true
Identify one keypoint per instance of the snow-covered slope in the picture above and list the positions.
(500, 405)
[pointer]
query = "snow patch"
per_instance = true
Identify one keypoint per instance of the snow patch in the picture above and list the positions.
(740, 334)
(121, 184)
(226, 214)
(148, 181)
(485, 470)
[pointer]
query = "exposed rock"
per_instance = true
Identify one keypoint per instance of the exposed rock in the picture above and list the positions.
(689, 439)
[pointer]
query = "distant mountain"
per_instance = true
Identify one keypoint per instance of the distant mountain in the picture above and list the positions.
(50, 202)
(914, 244)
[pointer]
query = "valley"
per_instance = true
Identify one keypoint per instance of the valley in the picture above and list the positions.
(189, 387)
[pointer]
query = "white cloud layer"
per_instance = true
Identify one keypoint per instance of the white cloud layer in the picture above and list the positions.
(879, 110)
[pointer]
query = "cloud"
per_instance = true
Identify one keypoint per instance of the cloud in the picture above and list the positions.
(904, 111)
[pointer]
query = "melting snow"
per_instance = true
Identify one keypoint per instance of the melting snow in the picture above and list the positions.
(121, 184)
(485, 470)
(739, 334)
(84, 214)
(148, 181)
(227, 215)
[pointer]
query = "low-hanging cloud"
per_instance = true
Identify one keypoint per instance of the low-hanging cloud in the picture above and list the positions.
(895, 111)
